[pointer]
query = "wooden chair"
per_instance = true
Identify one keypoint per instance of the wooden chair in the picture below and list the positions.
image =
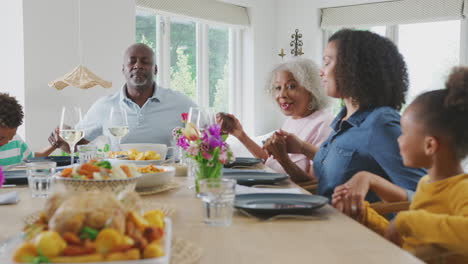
(310, 186)
(384, 208)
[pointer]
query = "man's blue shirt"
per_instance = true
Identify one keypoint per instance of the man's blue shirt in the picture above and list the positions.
(366, 141)
(151, 123)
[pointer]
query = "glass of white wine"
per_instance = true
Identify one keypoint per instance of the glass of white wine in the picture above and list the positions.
(71, 116)
(201, 117)
(118, 124)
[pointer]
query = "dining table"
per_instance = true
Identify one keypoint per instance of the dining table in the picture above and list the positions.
(331, 237)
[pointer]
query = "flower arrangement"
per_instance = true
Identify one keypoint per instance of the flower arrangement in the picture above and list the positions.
(206, 147)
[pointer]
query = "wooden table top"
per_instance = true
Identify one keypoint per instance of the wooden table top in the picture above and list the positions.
(334, 239)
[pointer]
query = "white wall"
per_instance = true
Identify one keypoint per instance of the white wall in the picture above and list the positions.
(11, 51)
(303, 15)
(51, 50)
(261, 114)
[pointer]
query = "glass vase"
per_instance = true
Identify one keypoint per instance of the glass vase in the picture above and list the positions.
(206, 170)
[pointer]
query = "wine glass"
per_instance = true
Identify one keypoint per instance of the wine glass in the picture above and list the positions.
(70, 117)
(201, 117)
(118, 124)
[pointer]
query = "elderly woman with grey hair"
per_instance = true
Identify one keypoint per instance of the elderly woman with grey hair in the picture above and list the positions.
(295, 86)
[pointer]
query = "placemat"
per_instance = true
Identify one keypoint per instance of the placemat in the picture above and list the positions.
(158, 189)
(184, 252)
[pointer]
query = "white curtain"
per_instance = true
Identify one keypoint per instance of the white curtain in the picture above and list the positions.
(211, 10)
(393, 12)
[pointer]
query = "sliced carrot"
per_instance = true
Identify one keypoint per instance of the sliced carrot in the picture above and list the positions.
(67, 172)
(88, 174)
(90, 167)
(126, 170)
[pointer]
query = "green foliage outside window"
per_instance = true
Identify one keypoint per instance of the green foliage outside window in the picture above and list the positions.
(183, 57)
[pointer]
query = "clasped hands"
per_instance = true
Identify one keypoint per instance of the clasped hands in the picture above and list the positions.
(281, 143)
(348, 198)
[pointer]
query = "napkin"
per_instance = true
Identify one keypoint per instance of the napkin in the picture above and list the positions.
(240, 189)
(9, 198)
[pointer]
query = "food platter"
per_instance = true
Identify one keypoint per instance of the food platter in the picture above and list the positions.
(8, 246)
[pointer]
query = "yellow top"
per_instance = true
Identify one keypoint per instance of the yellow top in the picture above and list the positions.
(438, 215)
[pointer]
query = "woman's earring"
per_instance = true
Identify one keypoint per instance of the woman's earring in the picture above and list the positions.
(310, 106)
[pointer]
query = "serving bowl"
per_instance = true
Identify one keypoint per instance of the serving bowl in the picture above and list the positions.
(160, 149)
(116, 186)
(152, 179)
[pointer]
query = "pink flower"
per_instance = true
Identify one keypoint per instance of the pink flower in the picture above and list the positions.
(223, 157)
(184, 117)
(182, 142)
(193, 150)
(206, 155)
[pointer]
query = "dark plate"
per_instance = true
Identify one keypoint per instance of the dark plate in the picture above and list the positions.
(249, 178)
(61, 160)
(16, 177)
(244, 162)
(279, 203)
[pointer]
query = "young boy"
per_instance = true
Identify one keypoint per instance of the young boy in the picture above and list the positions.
(12, 147)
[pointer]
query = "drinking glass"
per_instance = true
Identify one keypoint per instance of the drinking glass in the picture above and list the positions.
(118, 124)
(71, 116)
(87, 152)
(40, 177)
(217, 195)
(201, 117)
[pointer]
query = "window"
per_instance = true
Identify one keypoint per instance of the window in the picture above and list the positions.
(218, 50)
(198, 64)
(430, 51)
(183, 57)
(145, 28)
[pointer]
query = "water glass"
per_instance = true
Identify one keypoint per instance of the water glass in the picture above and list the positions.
(87, 152)
(40, 177)
(217, 196)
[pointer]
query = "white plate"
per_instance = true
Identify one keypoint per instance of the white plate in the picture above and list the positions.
(7, 248)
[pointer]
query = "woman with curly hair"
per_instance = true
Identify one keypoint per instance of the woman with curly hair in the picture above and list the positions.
(12, 147)
(368, 73)
(295, 86)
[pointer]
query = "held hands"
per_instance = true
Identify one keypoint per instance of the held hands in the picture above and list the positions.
(348, 198)
(229, 124)
(292, 142)
(276, 146)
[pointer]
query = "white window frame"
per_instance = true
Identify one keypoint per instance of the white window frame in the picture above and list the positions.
(163, 79)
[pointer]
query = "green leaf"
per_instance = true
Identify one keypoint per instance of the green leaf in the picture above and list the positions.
(224, 137)
(106, 148)
(104, 164)
(88, 232)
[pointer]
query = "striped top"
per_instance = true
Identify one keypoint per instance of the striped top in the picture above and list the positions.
(14, 151)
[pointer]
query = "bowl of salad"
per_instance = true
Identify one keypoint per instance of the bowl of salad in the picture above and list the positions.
(98, 175)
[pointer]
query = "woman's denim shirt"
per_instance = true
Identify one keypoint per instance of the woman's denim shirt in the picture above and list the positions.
(366, 141)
